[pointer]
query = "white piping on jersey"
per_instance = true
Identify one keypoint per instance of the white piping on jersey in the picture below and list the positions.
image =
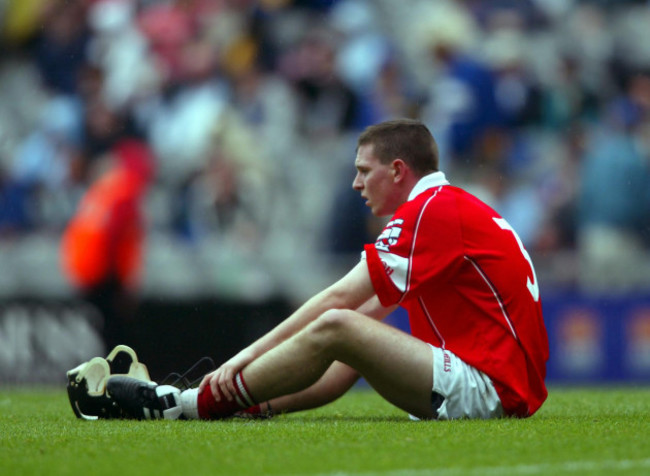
(433, 325)
(496, 295)
(415, 235)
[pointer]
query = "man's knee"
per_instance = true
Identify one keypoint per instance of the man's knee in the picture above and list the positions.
(332, 325)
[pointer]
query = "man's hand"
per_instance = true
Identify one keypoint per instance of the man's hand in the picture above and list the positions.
(221, 381)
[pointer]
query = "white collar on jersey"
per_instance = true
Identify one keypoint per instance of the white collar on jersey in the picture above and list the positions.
(435, 179)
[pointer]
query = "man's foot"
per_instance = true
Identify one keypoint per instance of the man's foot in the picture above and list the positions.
(143, 400)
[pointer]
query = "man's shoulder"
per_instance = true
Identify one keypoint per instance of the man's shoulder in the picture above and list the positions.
(446, 206)
(432, 207)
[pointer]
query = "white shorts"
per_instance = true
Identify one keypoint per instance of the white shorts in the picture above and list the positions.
(461, 391)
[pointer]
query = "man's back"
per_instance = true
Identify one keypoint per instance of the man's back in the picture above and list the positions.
(469, 287)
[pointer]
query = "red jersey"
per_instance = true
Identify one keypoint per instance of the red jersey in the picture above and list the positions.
(468, 285)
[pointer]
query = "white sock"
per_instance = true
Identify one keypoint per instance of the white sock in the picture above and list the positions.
(189, 403)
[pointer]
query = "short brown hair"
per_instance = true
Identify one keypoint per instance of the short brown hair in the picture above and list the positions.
(407, 139)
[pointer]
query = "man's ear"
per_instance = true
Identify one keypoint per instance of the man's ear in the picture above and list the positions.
(398, 168)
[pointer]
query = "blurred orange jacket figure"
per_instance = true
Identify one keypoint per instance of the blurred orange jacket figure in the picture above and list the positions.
(102, 246)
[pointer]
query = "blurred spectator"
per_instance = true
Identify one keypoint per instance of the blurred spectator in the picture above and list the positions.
(61, 46)
(566, 99)
(102, 246)
(463, 105)
(328, 107)
(362, 49)
(392, 94)
(587, 39)
(517, 91)
(45, 158)
(178, 121)
(167, 27)
(14, 214)
(103, 126)
(266, 104)
(560, 182)
(614, 200)
(120, 53)
(230, 199)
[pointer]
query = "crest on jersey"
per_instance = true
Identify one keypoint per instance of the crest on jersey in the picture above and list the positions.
(395, 266)
(389, 235)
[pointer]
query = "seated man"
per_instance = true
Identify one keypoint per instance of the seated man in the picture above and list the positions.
(478, 347)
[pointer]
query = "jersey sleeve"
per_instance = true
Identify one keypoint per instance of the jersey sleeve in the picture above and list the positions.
(385, 288)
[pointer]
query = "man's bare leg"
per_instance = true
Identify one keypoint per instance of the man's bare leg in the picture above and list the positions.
(336, 381)
(398, 366)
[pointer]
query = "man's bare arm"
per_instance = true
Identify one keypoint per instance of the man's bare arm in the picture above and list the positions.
(352, 291)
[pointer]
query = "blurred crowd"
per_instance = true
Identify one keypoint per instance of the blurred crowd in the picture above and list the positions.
(251, 111)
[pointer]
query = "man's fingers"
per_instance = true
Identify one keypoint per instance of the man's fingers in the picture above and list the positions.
(214, 386)
(204, 382)
(221, 383)
(231, 388)
(225, 385)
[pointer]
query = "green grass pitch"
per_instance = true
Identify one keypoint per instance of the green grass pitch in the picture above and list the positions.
(577, 431)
